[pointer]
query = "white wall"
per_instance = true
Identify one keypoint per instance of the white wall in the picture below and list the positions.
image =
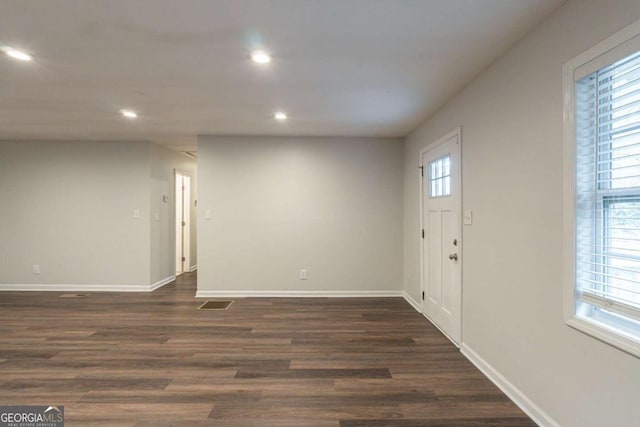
(511, 118)
(163, 235)
(68, 206)
(330, 205)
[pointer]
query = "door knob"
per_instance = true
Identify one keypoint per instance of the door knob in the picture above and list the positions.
(453, 257)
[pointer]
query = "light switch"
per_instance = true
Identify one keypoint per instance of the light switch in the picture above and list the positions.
(207, 214)
(468, 217)
(165, 198)
(157, 216)
(136, 213)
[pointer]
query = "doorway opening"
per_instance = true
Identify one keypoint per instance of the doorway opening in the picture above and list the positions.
(441, 230)
(183, 221)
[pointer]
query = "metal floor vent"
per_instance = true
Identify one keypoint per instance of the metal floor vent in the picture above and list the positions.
(215, 305)
(74, 295)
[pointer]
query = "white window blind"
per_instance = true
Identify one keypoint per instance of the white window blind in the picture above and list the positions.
(607, 196)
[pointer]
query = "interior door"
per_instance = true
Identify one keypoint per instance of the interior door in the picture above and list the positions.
(183, 196)
(441, 263)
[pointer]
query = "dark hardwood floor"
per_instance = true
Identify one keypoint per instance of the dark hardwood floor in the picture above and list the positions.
(153, 359)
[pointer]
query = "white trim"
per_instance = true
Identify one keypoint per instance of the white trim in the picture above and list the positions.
(604, 334)
(412, 302)
(569, 189)
(569, 292)
(455, 132)
(35, 287)
(187, 227)
(417, 307)
(161, 283)
(603, 47)
(441, 330)
(518, 397)
(193, 268)
(80, 287)
(298, 294)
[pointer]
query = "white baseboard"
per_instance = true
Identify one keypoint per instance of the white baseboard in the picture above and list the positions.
(415, 304)
(193, 268)
(417, 307)
(32, 287)
(531, 409)
(161, 283)
(298, 294)
(518, 397)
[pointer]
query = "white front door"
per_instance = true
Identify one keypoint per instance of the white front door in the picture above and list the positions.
(441, 262)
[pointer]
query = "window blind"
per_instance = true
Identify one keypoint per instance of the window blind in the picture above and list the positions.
(607, 201)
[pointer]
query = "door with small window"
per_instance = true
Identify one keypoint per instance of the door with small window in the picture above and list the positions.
(441, 244)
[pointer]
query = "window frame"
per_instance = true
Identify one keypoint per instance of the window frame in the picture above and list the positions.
(442, 178)
(599, 325)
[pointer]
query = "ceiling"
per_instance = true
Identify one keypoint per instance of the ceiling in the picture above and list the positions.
(339, 68)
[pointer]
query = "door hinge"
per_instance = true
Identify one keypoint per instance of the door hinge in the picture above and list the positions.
(183, 259)
(184, 223)
(423, 233)
(422, 295)
(421, 170)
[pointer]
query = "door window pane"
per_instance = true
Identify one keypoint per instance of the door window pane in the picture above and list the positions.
(440, 177)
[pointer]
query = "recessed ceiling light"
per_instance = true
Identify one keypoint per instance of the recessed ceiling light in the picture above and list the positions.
(280, 116)
(18, 54)
(261, 57)
(129, 114)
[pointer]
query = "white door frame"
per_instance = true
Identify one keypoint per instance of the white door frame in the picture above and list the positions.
(187, 229)
(455, 132)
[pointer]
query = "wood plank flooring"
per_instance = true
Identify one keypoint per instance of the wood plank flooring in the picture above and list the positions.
(153, 359)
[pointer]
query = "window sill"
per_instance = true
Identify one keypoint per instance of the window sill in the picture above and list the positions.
(606, 334)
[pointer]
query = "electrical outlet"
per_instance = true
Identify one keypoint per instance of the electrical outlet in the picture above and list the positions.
(303, 274)
(36, 269)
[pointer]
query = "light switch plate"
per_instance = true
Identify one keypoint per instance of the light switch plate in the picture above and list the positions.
(207, 214)
(468, 217)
